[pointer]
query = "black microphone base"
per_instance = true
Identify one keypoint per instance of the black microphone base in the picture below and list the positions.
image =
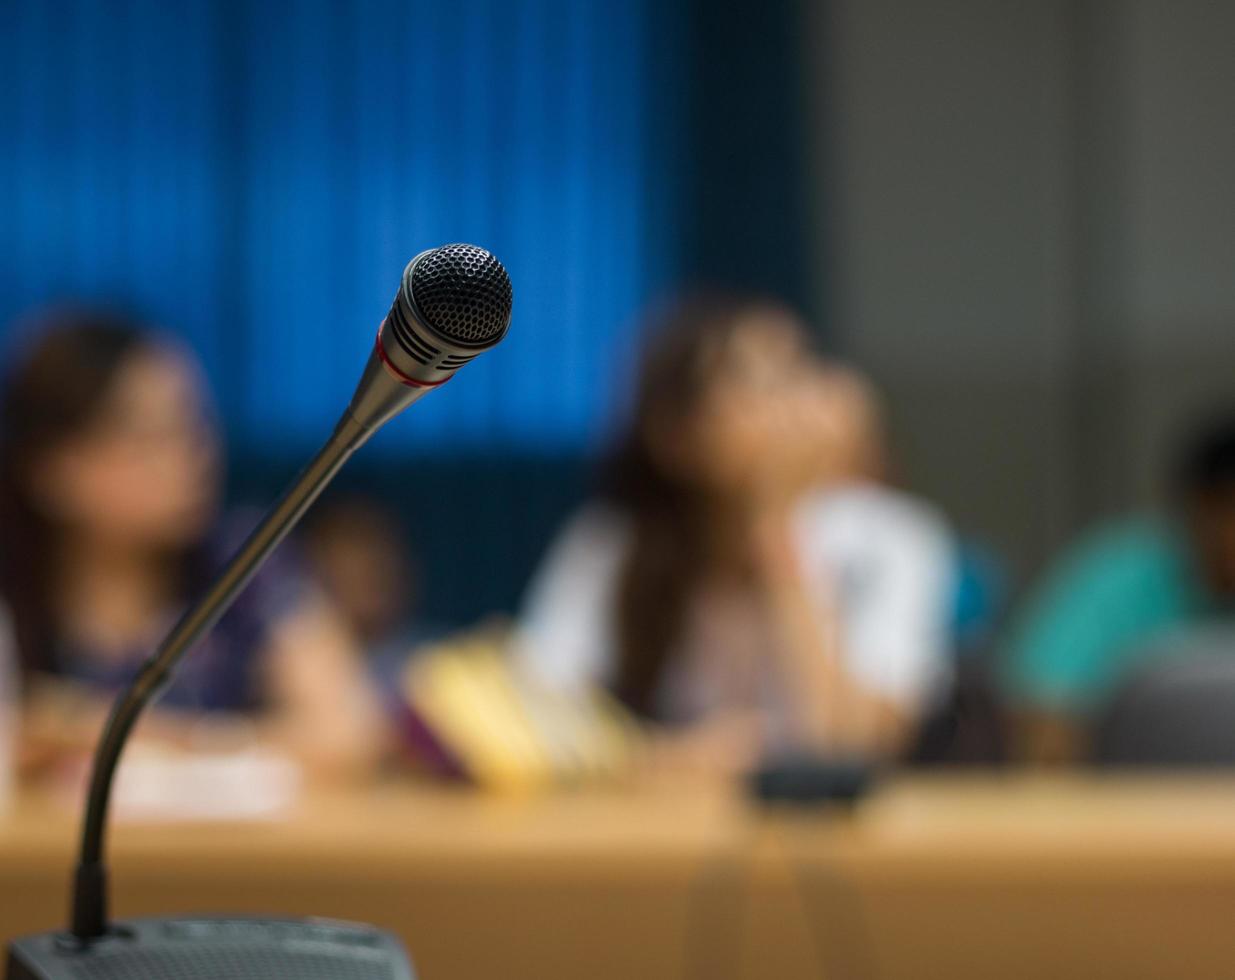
(205, 948)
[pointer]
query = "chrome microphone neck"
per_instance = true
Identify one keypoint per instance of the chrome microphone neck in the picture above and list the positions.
(453, 303)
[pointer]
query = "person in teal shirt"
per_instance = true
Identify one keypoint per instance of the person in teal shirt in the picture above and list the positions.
(1100, 609)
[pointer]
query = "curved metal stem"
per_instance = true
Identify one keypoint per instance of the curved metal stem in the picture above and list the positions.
(89, 913)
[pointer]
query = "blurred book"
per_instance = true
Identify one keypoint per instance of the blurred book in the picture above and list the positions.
(471, 714)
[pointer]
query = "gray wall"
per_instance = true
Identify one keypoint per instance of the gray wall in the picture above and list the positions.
(1027, 212)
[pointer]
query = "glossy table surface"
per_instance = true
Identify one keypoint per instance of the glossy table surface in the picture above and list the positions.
(948, 876)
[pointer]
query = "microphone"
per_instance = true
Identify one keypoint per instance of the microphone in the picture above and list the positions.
(453, 303)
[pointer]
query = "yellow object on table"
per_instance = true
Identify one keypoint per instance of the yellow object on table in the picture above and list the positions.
(504, 729)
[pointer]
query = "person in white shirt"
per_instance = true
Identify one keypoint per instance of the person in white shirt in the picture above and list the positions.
(742, 580)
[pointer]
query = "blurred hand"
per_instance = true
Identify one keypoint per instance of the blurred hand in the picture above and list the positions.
(815, 426)
(843, 417)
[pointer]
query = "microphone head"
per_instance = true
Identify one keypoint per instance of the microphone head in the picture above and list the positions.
(463, 294)
(454, 302)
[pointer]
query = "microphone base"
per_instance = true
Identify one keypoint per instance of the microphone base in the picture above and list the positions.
(206, 948)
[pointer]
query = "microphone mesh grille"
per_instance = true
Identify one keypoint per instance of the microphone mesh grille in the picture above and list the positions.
(463, 293)
(202, 961)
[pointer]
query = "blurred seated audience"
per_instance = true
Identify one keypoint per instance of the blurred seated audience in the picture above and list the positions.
(1101, 611)
(358, 551)
(743, 581)
(109, 496)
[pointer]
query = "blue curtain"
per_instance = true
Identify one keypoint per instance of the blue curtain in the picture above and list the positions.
(256, 175)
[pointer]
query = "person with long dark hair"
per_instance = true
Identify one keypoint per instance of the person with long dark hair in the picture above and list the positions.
(743, 579)
(109, 488)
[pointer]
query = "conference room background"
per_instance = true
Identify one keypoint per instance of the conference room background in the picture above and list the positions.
(1014, 216)
(254, 176)
(1018, 206)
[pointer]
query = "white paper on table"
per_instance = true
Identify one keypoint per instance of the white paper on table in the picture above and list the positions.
(253, 784)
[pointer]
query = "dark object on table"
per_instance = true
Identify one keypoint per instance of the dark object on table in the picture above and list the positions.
(1176, 711)
(810, 780)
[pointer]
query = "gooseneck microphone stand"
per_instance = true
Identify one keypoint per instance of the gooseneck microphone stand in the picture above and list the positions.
(90, 903)
(453, 303)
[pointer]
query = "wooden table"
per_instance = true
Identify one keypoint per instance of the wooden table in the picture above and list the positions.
(1023, 877)
(932, 877)
(597, 885)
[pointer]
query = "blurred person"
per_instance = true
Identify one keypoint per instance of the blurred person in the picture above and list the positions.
(357, 550)
(1098, 610)
(109, 491)
(742, 581)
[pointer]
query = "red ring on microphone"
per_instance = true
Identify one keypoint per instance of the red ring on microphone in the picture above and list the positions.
(399, 375)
